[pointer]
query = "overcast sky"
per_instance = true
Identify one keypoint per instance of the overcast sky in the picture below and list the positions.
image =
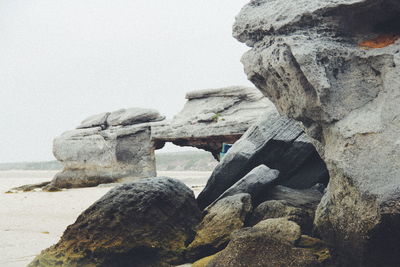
(63, 60)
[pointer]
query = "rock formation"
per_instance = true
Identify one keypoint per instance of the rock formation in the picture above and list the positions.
(115, 146)
(144, 223)
(278, 143)
(107, 148)
(335, 66)
(212, 117)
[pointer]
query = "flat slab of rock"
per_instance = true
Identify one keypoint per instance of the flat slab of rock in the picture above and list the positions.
(98, 120)
(220, 220)
(214, 116)
(133, 116)
(256, 183)
(143, 223)
(277, 142)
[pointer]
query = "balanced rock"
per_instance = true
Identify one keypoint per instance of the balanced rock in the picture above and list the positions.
(277, 142)
(144, 223)
(335, 66)
(214, 116)
(219, 222)
(133, 116)
(271, 243)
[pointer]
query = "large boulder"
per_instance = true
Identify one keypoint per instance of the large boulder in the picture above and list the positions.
(211, 117)
(277, 142)
(272, 243)
(144, 223)
(335, 66)
(94, 156)
(220, 220)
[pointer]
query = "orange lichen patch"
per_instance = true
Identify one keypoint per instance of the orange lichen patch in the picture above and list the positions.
(380, 41)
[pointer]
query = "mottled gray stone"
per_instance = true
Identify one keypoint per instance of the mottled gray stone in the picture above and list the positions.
(94, 156)
(307, 59)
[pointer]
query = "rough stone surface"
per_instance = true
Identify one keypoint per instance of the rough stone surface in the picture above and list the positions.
(271, 243)
(133, 116)
(280, 208)
(94, 156)
(213, 116)
(98, 120)
(144, 223)
(255, 183)
(219, 222)
(308, 59)
(277, 142)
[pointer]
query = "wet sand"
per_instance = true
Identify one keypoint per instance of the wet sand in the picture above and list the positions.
(33, 221)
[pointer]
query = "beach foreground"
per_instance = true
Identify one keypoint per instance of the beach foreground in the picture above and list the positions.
(33, 221)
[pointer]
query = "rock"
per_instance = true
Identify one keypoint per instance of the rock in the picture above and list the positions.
(204, 261)
(98, 120)
(277, 142)
(133, 116)
(300, 198)
(144, 223)
(255, 183)
(212, 117)
(28, 188)
(310, 59)
(220, 220)
(271, 243)
(94, 156)
(278, 209)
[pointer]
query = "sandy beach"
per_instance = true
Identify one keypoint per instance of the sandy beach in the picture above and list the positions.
(33, 221)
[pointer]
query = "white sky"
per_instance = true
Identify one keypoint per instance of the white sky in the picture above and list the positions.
(63, 60)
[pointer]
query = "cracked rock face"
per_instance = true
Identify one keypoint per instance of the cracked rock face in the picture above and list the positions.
(211, 117)
(309, 58)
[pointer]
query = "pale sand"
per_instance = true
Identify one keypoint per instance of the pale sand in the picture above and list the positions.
(33, 221)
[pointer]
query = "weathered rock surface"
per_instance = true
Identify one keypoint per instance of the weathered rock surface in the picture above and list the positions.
(280, 208)
(98, 120)
(94, 156)
(213, 116)
(220, 220)
(272, 243)
(133, 116)
(307, 58)
(144, 223)
(255, 183)
(277, 142)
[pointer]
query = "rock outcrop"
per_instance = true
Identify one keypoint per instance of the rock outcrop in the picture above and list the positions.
(107, 149)
(335, 66)
(115, 146)
(144, 223)
(212, 117)
(277, 142)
